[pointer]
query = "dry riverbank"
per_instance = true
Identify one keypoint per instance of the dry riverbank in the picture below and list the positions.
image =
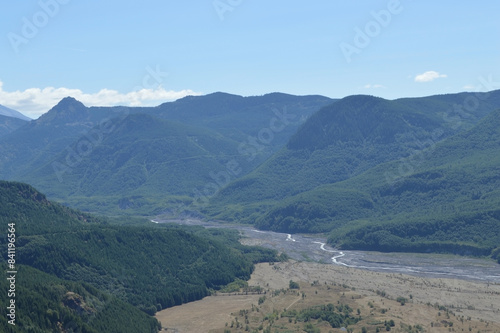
(466, 304)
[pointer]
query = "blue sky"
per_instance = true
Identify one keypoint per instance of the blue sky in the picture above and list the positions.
(148, 52)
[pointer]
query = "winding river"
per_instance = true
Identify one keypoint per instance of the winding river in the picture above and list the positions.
(315, 249)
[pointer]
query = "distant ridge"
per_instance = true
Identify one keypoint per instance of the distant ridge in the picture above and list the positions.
(341, 141)
(5, 111)
(143, 158)
(9, 124)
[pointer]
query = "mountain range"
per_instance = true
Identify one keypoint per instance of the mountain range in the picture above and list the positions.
(352, 135)
(362, 169)
(123, 159)
(382, 175)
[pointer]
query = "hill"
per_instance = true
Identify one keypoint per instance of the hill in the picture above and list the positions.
(36, 143)
(146, 267)
(447, 202)
(139, 165)
(10, 124)
(344, 140)
(238, 117)
(110, 159)
(48, 304)
(380, 175)
(450, 199)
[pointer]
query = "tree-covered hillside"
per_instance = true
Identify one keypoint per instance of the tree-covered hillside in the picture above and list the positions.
(35, 143)
(124, 160)
(336, 143)
(45, 303)
(140, 164)
(238, 117)
(146, 268)
(35, 214)
(341, 141)
(449, 201)
(380, 175)
(451, 195)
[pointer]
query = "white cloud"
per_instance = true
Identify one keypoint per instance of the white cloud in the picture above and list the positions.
(33, 102)
(374, 86)
(429, 76)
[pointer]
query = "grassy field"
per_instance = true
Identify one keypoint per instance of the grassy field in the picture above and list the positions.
(430, 305)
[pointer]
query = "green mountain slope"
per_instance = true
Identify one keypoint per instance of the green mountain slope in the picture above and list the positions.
(447, 201)
(452, 195)
(45, 303)
(342, 141)
(34, 144)
(238, 117)
(139, 164)
(149, 267)
(110, 159)
(35, 214)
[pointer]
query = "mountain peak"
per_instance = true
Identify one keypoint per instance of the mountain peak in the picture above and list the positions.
(68, 101)
(358, 119)
(68, 110)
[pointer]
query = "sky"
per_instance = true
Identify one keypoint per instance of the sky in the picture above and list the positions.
(144, 53)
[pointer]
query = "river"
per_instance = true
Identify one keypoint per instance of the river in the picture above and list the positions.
(313, 248)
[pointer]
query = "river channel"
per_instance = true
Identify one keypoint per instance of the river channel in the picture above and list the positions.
(315, 249)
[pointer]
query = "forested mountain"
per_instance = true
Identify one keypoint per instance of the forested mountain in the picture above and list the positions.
(339, 141)
(442, 198)
(36, 143)
(238, 117)
(140, 164)
(45, 303)
(140, 160)
(92, 269)
(448, 199)
(345, 139)
(382, 175)
(10, 124)
(360, 162)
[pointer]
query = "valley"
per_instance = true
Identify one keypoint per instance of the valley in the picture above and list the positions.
(441, 292)
(241, 166)
(313, 248)
(300, 191)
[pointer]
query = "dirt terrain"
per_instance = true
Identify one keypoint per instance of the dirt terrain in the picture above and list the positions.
(430, 305)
